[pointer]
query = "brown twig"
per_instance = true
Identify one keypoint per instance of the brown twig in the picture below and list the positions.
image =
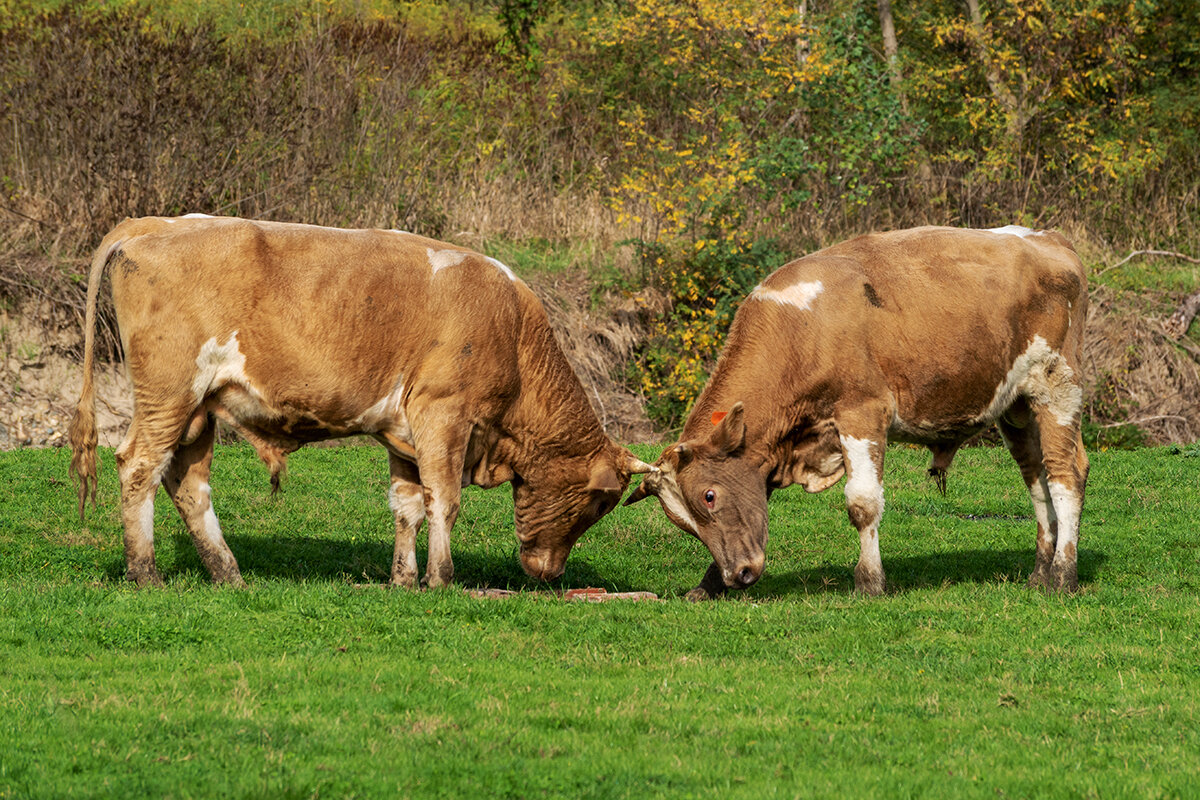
(1136, 253)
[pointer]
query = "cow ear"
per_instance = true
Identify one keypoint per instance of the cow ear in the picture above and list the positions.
(604, 480)
(730, 433)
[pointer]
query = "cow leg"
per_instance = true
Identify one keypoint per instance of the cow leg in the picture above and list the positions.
(441, 452)
(186, 481)
(141, 459)
(1066, 469)
(407, 501)
(1023, 441)
(863, 458)
(712, 585)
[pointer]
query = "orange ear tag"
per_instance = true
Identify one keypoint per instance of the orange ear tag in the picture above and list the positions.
(718, 416)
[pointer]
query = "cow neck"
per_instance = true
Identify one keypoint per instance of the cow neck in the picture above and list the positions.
(742, 375)
(551, 418)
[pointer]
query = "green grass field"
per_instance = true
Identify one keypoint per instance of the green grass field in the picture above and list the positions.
(318, 682)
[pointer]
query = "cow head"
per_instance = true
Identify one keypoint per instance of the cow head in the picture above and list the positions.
(711, 490)
(555, 504)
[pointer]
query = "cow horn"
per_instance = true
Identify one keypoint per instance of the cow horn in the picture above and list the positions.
(635, 466)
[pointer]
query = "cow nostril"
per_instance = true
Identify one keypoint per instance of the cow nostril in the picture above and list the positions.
(746, 576)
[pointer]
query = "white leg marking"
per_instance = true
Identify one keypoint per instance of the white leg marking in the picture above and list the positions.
(1066, 507)
(212, 528)
(865, 492)
(799, 295)
(1043, 510)
(407, 503)
(146, 514)
(864, 484)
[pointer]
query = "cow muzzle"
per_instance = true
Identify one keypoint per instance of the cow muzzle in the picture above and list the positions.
(542, 564)
(744, 574)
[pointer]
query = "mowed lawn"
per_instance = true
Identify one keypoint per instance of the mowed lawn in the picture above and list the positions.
(318, 682)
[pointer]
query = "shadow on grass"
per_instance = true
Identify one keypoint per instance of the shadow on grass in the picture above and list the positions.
(304, 558)
(312, 559)
(919, 572)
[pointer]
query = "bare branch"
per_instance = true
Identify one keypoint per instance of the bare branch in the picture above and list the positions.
(1136, 253)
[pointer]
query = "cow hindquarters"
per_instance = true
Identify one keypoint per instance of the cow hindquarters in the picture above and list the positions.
(186, 480)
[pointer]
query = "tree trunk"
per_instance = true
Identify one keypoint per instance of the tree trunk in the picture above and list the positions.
(803, 46)
(891, 51)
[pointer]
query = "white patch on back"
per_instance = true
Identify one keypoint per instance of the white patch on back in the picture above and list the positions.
(440, 259)
(218, 365)
(1042, 375)
(1013, 230)
(197, 216)
(500, 266)
(800, 295)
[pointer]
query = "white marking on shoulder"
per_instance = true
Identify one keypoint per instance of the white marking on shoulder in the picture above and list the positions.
(440, 259)
(800, 295)
(503, 268)
(1043, 375)
(1013, 230)
(218, 365)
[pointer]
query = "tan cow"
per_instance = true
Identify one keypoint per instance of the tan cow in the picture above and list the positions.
(927, 336)
(296, 333)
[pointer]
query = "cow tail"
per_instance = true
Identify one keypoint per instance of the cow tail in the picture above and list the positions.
(82, 432)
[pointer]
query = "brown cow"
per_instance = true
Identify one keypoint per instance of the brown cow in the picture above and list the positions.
(296, 333)
(927, 336)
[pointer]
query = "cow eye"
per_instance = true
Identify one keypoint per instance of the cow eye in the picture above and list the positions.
(710, 498)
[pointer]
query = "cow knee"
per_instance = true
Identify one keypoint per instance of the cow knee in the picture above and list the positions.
(864, 511)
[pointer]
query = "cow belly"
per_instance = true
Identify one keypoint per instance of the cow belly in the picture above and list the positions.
(947, 412)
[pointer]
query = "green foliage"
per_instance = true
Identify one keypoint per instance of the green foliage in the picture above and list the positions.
(306, 684)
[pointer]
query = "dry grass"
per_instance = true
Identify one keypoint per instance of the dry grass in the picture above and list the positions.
(1138, 374)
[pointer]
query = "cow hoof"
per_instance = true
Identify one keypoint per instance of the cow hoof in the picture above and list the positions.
(1040, 579)
(871, 584)
(145, 580)
(405, 581)
(234, 581)
(698, 595)
(1064, 578)
(435, 582)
